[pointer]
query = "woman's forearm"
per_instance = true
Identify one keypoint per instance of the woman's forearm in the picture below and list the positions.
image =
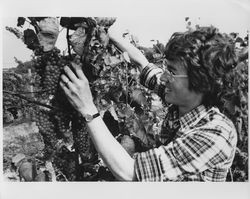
(110, 150)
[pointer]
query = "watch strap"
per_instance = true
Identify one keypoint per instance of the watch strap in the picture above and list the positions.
(96, 115)
(89, 118)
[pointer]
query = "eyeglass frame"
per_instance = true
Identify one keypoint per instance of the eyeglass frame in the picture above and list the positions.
(171, 77)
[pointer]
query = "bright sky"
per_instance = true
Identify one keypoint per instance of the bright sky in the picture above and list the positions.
(147, 20)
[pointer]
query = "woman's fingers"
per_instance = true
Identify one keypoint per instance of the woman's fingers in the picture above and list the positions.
(72, 77)
(78, 71)
(64, 79)
(67, 83)
(76, 88)
(65, 89)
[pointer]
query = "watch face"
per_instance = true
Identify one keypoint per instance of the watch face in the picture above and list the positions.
(88, 117)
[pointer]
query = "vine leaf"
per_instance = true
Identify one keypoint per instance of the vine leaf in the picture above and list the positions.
(140, 132)
(39, 18)
(243, 54)
(48, 34)
(30, 39)
(128, 144)
(105, 21)
(77, 40)
(239, 123)
(33, 22)
(20, 21)
(125, 112)
(138, 97)
(70, 22)
(103, 36)
(8, 117)
(230, 106)
(90, 22)
(112, 61)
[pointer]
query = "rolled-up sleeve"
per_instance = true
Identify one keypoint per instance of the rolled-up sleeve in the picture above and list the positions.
(150, 78)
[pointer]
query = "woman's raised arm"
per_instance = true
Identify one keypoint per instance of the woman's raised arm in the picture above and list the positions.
(134, 53)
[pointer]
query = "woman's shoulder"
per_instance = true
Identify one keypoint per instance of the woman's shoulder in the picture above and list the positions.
(220, 123)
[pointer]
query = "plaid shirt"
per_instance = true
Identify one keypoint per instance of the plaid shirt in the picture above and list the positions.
(199, 146)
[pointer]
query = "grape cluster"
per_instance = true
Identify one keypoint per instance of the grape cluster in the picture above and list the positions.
(52, 75)
(48, 62)
(63, 122)
(46, 128)
(81, 137)
(63, 125)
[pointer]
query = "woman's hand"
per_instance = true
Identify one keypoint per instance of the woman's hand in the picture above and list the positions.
(76, 88)
(115, 34)
(115, 31)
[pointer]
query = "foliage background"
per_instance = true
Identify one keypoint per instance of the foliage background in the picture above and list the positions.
(131, 112)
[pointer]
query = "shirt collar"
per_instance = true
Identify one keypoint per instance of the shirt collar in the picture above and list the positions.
(193, 117)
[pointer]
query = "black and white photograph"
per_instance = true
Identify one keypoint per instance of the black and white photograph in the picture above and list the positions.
(152, 95)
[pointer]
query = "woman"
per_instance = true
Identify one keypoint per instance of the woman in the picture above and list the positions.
(198, 141)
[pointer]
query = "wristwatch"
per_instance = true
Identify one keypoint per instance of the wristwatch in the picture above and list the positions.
(89, 117)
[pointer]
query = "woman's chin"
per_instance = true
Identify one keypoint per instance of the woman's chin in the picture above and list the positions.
(167, 100)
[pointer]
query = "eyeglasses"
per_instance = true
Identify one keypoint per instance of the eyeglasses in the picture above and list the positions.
(169, 76)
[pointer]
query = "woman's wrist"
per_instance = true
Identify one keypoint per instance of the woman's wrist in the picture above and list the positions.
(90, 110)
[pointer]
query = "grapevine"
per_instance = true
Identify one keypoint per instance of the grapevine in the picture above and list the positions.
(126, 107)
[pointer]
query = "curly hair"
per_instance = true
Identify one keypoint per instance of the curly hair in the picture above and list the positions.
(208, 56)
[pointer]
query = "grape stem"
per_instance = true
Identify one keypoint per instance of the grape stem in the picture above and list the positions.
(41, 91)
(86, 44)
(231, 174)
(67, 37)
(32, 101)
(158, 49)
(131, 81)
(127, 84)
(29, 22)
(61, 173)
(34, 24)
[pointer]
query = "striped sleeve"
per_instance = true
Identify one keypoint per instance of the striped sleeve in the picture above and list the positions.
(150, 78)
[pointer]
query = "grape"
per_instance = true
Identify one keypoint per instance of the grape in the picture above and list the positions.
(81, 137)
